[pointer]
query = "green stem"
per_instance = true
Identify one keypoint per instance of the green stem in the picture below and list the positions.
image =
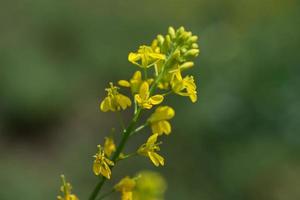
(138, 129)
(106, 194)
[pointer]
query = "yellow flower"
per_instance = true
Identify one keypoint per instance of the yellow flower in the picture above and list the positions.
(101, 164)
(184, 86)
(143, 97)
(66, 189)
(145, 57)
(149, 149)
(135, 82)
(126, 187)
(149, 186)
(109, 146)
(114, 100)
(158, 120)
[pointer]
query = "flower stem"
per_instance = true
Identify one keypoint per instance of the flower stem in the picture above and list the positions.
(106, 194)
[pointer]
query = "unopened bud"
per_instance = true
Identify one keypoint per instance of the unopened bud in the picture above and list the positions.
(193, 39)
(186, 65)
(192, 52)
(195, 46)
(160, 39)
(171, 32)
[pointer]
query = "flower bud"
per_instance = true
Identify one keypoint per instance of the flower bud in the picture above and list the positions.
(193, 39)
(168, 41)
(160, 39)
(171, 32)
(195, 46)
(186, 65)
(192, 52)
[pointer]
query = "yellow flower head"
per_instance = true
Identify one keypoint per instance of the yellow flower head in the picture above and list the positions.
(184, 86)
(135, 82)
(143, 97)
(101, 164)
(66, 189)
(146, 57)
(109, 146)
(114, 100)
(159, 120)
(149, 150)
(126, 187)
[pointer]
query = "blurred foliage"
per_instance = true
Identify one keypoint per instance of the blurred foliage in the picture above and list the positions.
(241, 140)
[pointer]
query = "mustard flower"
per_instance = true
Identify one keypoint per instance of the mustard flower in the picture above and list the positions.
(159, 120)
(143, 97)
(149, 150)
(126, 187)
(109, 146)
(146, 56)
(184, 86)
(101, 164)
(135, 82)
(66, 189)
(114, 100)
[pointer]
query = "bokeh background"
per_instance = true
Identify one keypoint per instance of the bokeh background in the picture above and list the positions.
(240, 141)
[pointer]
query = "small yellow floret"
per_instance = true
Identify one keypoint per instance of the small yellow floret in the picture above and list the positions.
(114, 100)
(149, 149)
(159, 120)
(145, 57)
(101, 164)
(143, 97)
(184, 86)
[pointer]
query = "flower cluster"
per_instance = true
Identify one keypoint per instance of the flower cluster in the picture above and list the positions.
(161, 72)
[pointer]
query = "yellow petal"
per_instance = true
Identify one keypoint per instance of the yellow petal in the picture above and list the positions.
(156, 159)
(156, 99)
(146, 105)
(144, 91)
(105, 104)
(124, 83)
(123, 101)
(155, 128)
(138, 98)
(127, 196)
(109, 162)
(96, 168)
(134, 57)
(152, 139)
(193, 97)
(165, 127)
(137, 76)
(72, 197)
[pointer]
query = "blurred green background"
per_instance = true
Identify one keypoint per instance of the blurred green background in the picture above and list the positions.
(240, 141)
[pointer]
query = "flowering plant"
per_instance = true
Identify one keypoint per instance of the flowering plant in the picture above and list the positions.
(162, 65)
